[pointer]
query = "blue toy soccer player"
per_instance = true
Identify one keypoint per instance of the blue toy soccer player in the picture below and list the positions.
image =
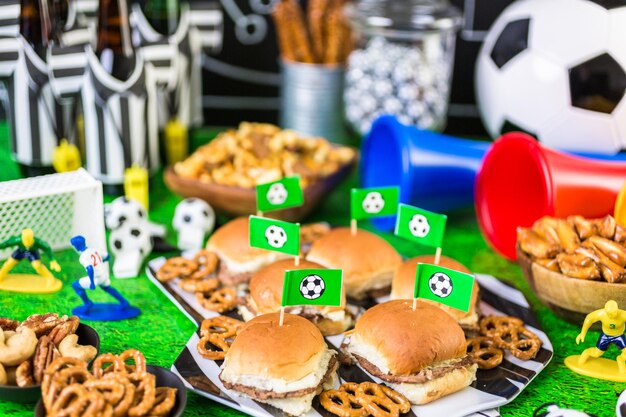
(97, 274)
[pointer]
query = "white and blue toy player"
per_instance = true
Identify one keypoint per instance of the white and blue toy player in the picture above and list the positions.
(97, 274)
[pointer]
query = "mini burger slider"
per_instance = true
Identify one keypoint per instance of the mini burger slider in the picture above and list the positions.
(420, 353)
(368, 261)
(402, 288)
(238, 260)
(266, 291)
(283, 366)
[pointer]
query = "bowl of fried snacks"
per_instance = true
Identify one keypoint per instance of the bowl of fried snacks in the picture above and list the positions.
(574, 265)
(28, 347)
(120, 385)
(226, 171)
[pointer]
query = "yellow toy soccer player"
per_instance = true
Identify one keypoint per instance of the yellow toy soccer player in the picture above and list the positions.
(613, 325)
(28, 247)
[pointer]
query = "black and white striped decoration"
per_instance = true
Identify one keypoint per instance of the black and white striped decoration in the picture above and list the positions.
(9, 15)
(175, 61)
(120, 121)
(492, 388)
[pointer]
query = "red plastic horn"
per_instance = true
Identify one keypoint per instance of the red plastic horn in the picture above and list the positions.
(520, 181)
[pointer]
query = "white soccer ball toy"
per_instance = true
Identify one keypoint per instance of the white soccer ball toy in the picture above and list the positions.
(193, 220)
(130, 245)
(277, 194)
(123, 210)
(373, 202)
(276, 236)
(440, 284)
(419, 226)
(312, 287)
(553, 410)
(558, 76)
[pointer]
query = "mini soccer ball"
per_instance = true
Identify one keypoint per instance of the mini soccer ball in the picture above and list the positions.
(373, 202)
(277, 194)
(565, 90)
(123, 210)
(419, 226)
(440, 284)
(276, 236)
(312, 287)
(553, 410)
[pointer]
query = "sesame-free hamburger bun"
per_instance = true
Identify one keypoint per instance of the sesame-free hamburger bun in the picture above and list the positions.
(368, 261)
(403, 284)
(420, 353)
(284, 366)
(266, 291)
(238, 260)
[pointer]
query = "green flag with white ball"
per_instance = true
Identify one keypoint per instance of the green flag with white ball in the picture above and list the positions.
(314, 287)
(419, 225)
(367, 203)
(278, 195)
(275, 235)
(443, 285)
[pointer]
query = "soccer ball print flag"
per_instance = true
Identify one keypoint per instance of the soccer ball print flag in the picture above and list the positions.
(278, 195)
(275, 235)
(444, 285)
(367, 203)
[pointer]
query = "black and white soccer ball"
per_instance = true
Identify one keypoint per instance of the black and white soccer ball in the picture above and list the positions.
(193, 213)
(419, 226)
(312, 287)
(276, 236)
(542, 71)
(553, 410)
(129, 238)
(124, 211)
(440, 284)
(373, 202)
(277, 194)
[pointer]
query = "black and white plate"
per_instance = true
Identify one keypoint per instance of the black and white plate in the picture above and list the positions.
(492, 388)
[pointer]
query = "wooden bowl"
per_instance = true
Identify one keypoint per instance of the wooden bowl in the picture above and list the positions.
(237, 201)
(86, 336)
(570, 298)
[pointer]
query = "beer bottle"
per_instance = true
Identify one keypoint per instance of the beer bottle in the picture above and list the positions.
(163, 15)
(114, 46)
(35, 25)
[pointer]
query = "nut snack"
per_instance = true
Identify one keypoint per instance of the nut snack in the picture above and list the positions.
(259, 153)
(113, 388)
(27, 348)
(580, 248)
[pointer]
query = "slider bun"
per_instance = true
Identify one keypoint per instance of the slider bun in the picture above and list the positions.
(401, 341)
(403, 284)
(231, 242)
(264, 349)
(368, 261)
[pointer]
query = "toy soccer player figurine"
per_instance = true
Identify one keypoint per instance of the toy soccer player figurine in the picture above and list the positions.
(590, 363)
(98, 275)
(28, 247)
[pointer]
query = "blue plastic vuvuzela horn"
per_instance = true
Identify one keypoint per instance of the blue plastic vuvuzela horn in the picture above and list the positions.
(434, 171)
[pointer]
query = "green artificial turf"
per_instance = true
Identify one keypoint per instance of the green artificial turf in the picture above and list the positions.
(161, 331)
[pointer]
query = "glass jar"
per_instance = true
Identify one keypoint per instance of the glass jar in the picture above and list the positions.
(403, 62)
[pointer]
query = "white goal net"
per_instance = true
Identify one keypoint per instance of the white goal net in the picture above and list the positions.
(56, 207)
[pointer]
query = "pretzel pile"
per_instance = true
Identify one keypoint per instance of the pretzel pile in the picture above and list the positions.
(499, 333)
(195, 276)
(113, 388)
(577, 247)
(324, 36)
(216, 336)
(27, 348)
(364, 399)
(259, 153)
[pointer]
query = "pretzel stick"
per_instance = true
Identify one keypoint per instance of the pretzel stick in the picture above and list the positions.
(316, 14)
(281, 21)
(298, 33)
(333, 34)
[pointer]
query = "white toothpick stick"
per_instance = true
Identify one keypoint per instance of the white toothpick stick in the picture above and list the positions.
(353, 227)
(437, 256)
(296, 260)
(414, 303)
(282, 316)
(259, 213)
